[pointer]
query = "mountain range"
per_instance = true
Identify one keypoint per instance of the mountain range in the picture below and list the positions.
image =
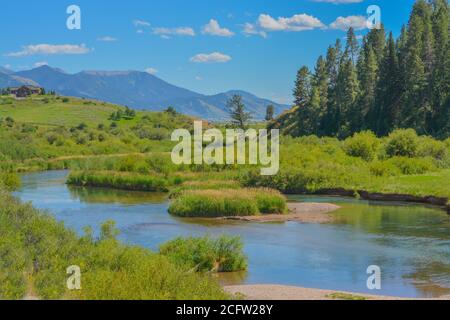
(138, 90)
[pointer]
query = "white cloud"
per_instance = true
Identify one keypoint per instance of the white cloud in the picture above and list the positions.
(50, 49)
(107, 39)
(40, 64)
(296, 23)
(251, 29)
(213, 28)
(339, 1)
(198, 78)
(141, 23)
(151, 70)
(344, 23)
(181, 31)
(215, 57)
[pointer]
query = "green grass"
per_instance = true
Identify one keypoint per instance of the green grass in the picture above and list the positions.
(57, 113)
(119, 180)
(345, 296)
(228, 203)
(222, 254)
(432, 184)
(36, 251)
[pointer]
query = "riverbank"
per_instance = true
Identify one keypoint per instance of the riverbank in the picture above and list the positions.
(442, 202)
(278, 292)
(299, 212)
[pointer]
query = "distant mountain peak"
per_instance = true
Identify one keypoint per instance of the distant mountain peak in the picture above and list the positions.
(47, 68)
(139, 90)
(103, 73)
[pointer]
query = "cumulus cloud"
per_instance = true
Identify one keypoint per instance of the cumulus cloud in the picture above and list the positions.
(181, 31)
(215, 57)
(251, 29)
(151, 70)
(50, 49)
(213, 28)
(344, 23)
(107, 39)
(296, 23)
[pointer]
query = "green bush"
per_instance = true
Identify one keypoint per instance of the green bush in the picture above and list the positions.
(428, 147)
(363, 145)
(223, 254)
(9, 181)
(383, 169)
(402, 143)
(411, 166)
(227, 203)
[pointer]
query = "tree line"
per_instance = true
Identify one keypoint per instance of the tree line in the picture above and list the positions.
(381, 83)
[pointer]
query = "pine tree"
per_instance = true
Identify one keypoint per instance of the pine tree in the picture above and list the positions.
(352, 47)
(239, 117)
(415, 108)
(319, 97)
(368, 78)
(270, 112)
(347, 88)
(328, 126)
(388, 91)
(440, 81)
(302, 94)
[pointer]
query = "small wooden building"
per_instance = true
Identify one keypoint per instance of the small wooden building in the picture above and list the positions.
(25, 91)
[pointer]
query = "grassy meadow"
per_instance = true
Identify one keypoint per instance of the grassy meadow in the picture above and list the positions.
(134, 154)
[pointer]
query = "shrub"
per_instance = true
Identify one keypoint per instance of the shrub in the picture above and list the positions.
(10, 181)
(428, 147)
(363, 145)
(224, 254)
(227, 203)
(410, 166)
(402, 143)
(383, 169)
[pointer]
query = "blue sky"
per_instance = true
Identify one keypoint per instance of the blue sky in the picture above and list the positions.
(253, 45)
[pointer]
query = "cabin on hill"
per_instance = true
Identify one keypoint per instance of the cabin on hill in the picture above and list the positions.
(25, 91)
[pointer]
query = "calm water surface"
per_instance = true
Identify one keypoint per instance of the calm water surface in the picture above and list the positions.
(410, 243)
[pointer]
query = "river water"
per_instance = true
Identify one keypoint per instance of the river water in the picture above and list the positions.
(410, 243)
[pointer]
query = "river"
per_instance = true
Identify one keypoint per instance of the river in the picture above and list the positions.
(410, 243)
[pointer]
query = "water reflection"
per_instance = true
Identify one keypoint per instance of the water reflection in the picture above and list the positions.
(108, 196)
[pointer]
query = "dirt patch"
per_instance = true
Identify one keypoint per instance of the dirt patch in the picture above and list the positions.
(276, 292)
(300, 212)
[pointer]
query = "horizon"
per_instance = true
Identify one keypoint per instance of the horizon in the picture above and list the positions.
(205, 51)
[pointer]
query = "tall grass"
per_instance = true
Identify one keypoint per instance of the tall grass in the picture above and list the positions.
(228, 203)
(119, 180)
(223, 254)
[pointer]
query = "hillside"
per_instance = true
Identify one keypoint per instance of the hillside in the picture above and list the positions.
(139, 90)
